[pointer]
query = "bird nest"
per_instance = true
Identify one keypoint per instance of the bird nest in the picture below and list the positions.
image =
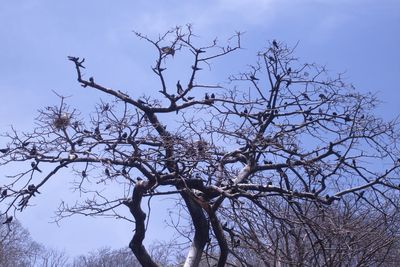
(61, 121)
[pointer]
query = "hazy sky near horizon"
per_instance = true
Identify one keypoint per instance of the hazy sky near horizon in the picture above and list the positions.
(358, 37)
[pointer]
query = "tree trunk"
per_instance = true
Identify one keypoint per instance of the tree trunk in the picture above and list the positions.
(136, 244)
(219, 234)
(201, 236)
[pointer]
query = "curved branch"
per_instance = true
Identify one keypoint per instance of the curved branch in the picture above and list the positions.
(201, 226)
(136, 244)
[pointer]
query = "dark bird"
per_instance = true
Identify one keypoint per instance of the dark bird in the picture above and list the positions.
(179, 88)
(207, 97)
(139, 178)
(124, 135)
(306, 96)
(4, 150)
(253, 78)
(97, 132)
(4, 193)
(289, 70)
(245, 111)
(84, 174)
(26, 143)
(91, 80)
(322, 96)
(33, 151)
(32, 188)
(334, 113)
(212, 96)
(105, 107)
(168, 50)
(35, 167)
(289, 82)
(108, 126)
(272, 59)
(347, 118)
(80, 141)
(275, 44)
(107, 171)
(124, 172)
(196, 68)
(8, 220)
(190, 98)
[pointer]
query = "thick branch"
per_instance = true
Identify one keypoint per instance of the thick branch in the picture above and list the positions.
(201, 231)
(136, 243)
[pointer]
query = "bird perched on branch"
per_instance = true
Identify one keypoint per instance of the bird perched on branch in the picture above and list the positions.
(32, 189)
(179, 88)
(33, 151)
(24, 144)
(4, 150)
(275, 44)
(168, 50)
(8, 220)
(253, 78)
(35, 167)
(80, 141)
(72, 156)
(305, 95)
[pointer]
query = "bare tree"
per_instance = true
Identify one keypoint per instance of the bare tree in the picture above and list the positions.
(49, 257)
(279, 131)
(18, 249)
(16, 246)
(346, 233)
(106, 257)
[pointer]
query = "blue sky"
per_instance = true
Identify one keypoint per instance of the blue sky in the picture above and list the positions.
(359, 37)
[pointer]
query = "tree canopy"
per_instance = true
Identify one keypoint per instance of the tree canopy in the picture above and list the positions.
(256, 164)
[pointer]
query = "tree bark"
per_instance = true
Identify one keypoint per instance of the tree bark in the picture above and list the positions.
(219, 234)
(136, 244)
(201, 234)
